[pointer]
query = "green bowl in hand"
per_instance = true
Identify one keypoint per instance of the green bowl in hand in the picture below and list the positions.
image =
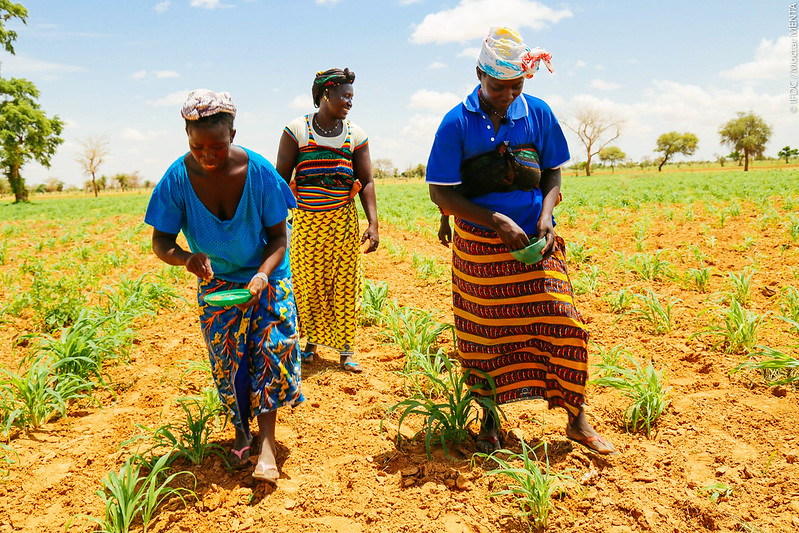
(531, 254)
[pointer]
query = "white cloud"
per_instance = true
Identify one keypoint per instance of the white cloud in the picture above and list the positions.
(580, 64)
(172, 99)
(604, 85)
(408, 2)
(141, 74)
(436, 102)
(670, 106)
(421, 129)
(18, 64)
(469, 52)
(303, 101)
(471, 19)
(161, 7)
(132, 134)
(323, 2)
(771, 62)
(436, 65)
(206, 4)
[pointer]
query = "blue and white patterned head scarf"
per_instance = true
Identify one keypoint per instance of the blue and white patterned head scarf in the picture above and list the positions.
(204, 103)
(504, 55)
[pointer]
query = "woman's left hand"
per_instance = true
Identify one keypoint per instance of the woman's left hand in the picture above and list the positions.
(371, 234)
(256, 286)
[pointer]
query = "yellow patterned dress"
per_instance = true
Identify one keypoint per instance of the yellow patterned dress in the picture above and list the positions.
(324, 251)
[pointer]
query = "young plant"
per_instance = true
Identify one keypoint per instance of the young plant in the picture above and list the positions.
(189, 440)
(716, 491)
(741, 284)
(427, 268)
(648, 266)
(32, 397)
(698, 278)
(411, 329)
(418, 366)
(447, 419)
(578, 253)
(789, 306)
(530, 485)
(8, 456)
(645, 386)
(587, 282)
(375, 296)
(775, 367)
(130, 494)
(652, 311)
(619, 301)
(739, 331)
(609, 358)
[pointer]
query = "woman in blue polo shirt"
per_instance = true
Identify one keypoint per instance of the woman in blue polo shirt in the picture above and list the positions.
(495, 166)
(231, 205)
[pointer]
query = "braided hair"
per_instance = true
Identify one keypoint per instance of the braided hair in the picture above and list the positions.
(327, 79)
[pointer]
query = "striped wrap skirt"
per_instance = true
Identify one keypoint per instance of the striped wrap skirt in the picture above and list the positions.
(516, 322)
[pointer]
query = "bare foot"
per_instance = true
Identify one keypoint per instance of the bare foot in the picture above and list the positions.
(580, 431)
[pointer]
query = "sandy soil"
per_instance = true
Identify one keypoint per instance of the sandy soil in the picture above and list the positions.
(341, 474)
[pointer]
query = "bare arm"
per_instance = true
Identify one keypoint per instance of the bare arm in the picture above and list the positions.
(550, 190)
(455, 203)
(170, 252)
(362, 167)
(287, 153)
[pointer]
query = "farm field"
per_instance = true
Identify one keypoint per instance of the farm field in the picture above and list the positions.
(695, 272)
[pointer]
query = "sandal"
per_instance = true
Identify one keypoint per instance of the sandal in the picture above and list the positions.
(307, 357)
(238, 459)
(348, 364)
(488, 444)
(265, 472)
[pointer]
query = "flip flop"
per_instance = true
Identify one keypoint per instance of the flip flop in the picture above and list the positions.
(307, 357)
(587, 442)
(236, 458)
(488, 444)
(265, 472)
(348, 364)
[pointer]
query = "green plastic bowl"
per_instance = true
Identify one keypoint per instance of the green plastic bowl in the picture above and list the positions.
(228, 298)
(531, 254)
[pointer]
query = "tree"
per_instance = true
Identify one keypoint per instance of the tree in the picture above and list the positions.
(94, 150)
(9, 10)
(612, 155)
(25, 131)
(592, 125)
(673, 143)
(127, 181)
(748, 134)
(787, 153)
(383, 168)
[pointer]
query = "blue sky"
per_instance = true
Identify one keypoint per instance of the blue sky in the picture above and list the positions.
(122, 69)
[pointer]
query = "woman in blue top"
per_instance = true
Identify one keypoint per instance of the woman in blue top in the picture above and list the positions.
(495, 165)
(231, 206)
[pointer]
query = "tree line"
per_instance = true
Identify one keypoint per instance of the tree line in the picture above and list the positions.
(747, 134)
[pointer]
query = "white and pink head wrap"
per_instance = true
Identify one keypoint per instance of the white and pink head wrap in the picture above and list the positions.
(204, 103)
(505, 57)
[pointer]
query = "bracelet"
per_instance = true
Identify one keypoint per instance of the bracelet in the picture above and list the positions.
(263, 277)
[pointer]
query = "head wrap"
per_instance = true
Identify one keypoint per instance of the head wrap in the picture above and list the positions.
(327, 79)
(504, 56)
(204, 103)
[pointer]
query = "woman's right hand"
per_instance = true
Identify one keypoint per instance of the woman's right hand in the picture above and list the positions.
(444, 231)
(509, 232)
(200, 265)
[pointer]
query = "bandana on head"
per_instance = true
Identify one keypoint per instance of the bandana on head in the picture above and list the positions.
(505, 57)
(204, 103)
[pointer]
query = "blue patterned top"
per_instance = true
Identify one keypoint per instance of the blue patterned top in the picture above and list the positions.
(467, 131)
(234, 246)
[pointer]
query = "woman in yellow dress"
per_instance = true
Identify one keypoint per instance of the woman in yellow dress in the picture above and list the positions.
(326, 160)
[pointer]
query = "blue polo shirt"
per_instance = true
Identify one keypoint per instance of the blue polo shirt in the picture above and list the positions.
(234, 246)
(467, 131)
